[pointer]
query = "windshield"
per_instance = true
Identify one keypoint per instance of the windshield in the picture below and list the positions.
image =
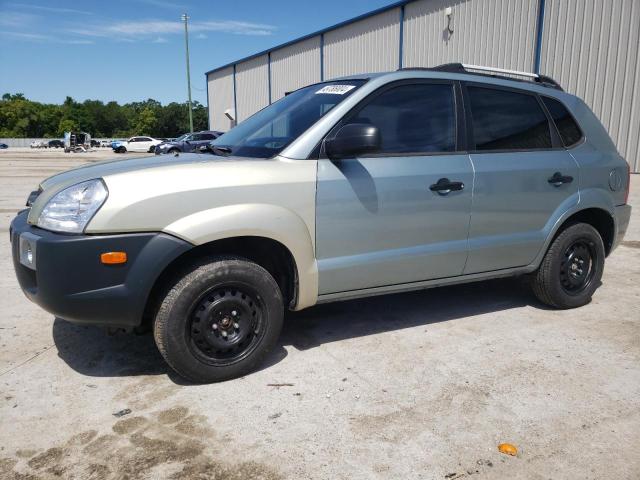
(181, 138)
(269, 131)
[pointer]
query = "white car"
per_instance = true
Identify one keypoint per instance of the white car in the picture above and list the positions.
(105, 143)
(39, 144)
(136, 144)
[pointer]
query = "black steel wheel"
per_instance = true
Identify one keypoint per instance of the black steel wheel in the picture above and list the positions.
(226, 324)
(219, 320)
(571, 269)
(577, 267)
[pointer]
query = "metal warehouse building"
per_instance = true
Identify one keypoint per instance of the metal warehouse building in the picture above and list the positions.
(591, 47)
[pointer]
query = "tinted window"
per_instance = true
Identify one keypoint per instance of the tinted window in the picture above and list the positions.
(207, 136)
(197, 137)
(505, 120)
(567, 126)
(413, 118)
(145, 139)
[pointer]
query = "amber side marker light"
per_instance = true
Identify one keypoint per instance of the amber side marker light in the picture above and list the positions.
(113, 258)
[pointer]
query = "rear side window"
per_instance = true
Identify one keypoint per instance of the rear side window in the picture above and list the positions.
(504, 120)
(567, 126)
(417, 118)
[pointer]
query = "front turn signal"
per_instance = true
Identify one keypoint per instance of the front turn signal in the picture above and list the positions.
(113, 258)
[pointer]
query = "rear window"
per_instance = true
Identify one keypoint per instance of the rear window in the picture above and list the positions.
(567, 126)
(505, 120)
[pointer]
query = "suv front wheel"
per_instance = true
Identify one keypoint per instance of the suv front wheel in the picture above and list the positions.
(219, 320)
(571, 270)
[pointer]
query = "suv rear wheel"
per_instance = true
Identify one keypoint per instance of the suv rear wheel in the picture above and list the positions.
(571, 270)
(219, 320)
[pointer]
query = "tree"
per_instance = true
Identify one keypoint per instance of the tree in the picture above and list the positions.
(67, 125)
(20, 117)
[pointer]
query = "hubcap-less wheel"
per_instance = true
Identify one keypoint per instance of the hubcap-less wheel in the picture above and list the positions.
(226, 325)
(577, 267)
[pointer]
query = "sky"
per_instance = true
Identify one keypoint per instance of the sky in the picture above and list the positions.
(131, 50)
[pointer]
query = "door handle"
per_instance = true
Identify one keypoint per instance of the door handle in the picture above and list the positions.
(445, 186)
(558, 179)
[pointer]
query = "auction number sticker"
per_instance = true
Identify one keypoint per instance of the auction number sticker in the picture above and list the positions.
(336, 89)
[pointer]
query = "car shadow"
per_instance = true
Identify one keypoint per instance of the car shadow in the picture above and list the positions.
(90, 351)
(333, 322)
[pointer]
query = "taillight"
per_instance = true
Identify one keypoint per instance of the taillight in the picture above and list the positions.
(626, 192)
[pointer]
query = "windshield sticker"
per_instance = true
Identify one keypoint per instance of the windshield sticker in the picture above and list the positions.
(336, 89)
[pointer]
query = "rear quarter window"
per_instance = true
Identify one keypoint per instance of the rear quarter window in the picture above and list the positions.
(567, 127)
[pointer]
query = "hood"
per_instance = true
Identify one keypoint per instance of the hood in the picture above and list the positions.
(54, 184)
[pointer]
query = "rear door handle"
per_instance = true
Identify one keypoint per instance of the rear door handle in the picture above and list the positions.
(445, 186)
(558, 179)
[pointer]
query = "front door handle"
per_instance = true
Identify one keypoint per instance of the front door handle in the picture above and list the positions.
(558, 179)
(445, 186)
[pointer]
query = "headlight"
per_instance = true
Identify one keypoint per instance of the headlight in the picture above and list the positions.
(71, 209)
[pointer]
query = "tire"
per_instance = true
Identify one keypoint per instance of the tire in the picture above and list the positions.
(121, 150)
(219, 320)
(571, 269)
(173, 151)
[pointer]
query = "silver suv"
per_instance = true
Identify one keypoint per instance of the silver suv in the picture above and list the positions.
(349, 188)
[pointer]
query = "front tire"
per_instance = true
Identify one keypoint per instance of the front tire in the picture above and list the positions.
(219, 320)
(571, 269)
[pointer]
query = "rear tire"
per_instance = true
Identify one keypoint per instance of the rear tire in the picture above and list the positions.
(219, 320)
(571, 269)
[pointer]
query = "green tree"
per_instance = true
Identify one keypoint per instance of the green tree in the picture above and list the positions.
(20, 117)
(67, 125)
(145, 123)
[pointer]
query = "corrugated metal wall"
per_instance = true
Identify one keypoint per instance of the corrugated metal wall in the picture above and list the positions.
(220, 91)
(303, 58)
(592, 48)
(498, 33)
(252, 86)
(369, 45)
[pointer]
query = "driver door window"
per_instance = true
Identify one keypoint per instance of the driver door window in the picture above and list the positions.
(416, 118)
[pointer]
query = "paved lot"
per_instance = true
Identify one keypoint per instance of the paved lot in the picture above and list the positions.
(419, 385)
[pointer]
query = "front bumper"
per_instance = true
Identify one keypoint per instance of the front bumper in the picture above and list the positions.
(69, 281)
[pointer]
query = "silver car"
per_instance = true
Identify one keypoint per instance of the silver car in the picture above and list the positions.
(348, 188)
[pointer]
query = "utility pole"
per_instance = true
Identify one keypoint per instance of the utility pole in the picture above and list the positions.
(185, 19)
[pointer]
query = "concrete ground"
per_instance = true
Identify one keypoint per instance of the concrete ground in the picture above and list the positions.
(416, 385)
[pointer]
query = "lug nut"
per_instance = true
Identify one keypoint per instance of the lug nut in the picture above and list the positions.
(224, 334)
(214, 326)
(234, 313)
(236, 325)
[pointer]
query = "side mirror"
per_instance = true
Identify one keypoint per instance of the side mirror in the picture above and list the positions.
(204, 148)
(352, 140)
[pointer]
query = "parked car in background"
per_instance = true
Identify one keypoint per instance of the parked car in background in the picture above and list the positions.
(56, 143)
(105, 143)
(136, 144)
(95, 143)
(189, 142)
(3, 146)
(343, 189)
(39, 144)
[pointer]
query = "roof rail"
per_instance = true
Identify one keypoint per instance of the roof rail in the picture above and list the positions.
(493, 72)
